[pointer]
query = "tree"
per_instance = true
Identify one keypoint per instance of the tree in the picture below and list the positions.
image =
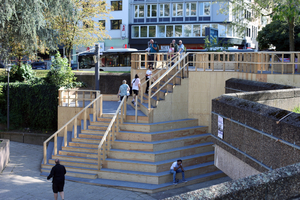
(277, 34)
(283, 10)
(78, 27)
(23, 26)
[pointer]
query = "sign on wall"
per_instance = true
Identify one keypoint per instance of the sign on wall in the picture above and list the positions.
(220, 127)
(123, 31)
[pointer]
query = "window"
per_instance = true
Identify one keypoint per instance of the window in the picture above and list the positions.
(178, 30)
(169, 31)
(247, 14)
(214, 26)
(151, 10)
(102, 23)
(222, 30)
(203, 29)
(196, 31)
(161, 31)
(248, 34)
(152, 31)
(164, 10)
(115, 24)
(191, 9)
(205, 8)
(144, 31)
(138, 11)
(229, 30)
(177, 9)
(116, 5)
(136, 31)
(187, 30)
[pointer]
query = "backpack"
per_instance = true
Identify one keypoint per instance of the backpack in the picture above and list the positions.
(184, 49)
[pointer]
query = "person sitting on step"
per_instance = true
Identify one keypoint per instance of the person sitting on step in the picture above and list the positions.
(177, 168)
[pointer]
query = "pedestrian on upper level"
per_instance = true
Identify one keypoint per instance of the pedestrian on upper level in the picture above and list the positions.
(123, 90)
(153, 49)
(180, 48)
(135, 84)
(175, 46)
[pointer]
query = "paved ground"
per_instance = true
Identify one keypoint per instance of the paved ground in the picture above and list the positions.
(21, 180)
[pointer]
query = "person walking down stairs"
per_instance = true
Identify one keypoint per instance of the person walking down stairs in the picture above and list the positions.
(135, 84)
(177, 168)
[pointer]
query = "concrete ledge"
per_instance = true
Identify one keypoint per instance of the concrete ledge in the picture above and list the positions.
(29, 138)
(282, 183)
(4, 153)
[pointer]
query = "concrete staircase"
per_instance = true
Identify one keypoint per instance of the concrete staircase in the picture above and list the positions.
(141, 155)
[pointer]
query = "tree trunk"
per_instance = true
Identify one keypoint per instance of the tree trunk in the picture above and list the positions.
(291, 33)
(69, 55)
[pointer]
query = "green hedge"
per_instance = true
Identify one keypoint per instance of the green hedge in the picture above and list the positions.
(31, 105)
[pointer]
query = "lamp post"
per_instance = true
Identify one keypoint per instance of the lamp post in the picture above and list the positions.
(7, 70)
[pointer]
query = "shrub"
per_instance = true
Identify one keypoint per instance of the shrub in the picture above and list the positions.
(296, 110)
(21, 73)
(60, 73)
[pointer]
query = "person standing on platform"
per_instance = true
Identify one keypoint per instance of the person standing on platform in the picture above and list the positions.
(135, 84)
(175, 45)
(177, 168)
(180, 48)
(153, 49)
(58, 173)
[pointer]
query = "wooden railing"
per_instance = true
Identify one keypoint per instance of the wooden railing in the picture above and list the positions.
(247, 62)
(71, 97)
(97, 111)
(111, 132)
(140, 60)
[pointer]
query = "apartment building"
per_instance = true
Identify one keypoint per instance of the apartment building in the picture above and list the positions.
(164, 20)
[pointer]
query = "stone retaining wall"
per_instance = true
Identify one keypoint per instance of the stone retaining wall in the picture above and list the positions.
(29, 138)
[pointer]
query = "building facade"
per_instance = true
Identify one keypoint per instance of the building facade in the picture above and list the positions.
(164, 20)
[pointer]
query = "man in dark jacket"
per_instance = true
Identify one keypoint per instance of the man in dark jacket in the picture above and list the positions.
(58, 173)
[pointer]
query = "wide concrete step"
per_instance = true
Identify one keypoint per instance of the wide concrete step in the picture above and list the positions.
(75, 158)
(160, 155)
(74, 173)
(75, 163)
(81, 144)
(79, 154)
(158, 126)
(87, 140)
(156, 167)
(162, 144)
(93, 131)
(90, 136)
(80, 149)
(144, 187)
(97, 127)
(161, 135)
(155, 178)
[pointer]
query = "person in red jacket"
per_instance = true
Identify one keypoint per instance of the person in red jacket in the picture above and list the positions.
(58, 173)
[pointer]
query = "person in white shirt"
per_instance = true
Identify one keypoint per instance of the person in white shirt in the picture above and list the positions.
(177, 168)
(135, 84)
(148, 76)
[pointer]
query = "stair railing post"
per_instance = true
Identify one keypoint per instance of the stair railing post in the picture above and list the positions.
(94, 111)
(76, 98)
(136, 117)
(141, 95)
(149, 94)
(99, 158)
(101, 105)
(60, 98)
(66, 136)
(55, 144)
(83, 99)
(84, 119)
(68, 98)
(125, 108)
(75, 128)
(122, 111)
(45, 152)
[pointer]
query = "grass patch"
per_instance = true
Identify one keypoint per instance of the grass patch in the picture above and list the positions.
(122, 72)
(296, 110)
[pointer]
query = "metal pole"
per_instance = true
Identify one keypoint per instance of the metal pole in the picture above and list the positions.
(8, 100)
(97, 87)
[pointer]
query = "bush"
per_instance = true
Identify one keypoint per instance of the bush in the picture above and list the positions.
(21, 73)
(31, 105)
(60, 73)
(296, 110)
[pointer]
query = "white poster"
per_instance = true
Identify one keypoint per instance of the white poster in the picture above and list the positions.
(220, 127)
(101, 46)
(123, 31)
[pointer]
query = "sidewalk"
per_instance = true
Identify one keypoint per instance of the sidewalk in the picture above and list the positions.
(21, 180)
